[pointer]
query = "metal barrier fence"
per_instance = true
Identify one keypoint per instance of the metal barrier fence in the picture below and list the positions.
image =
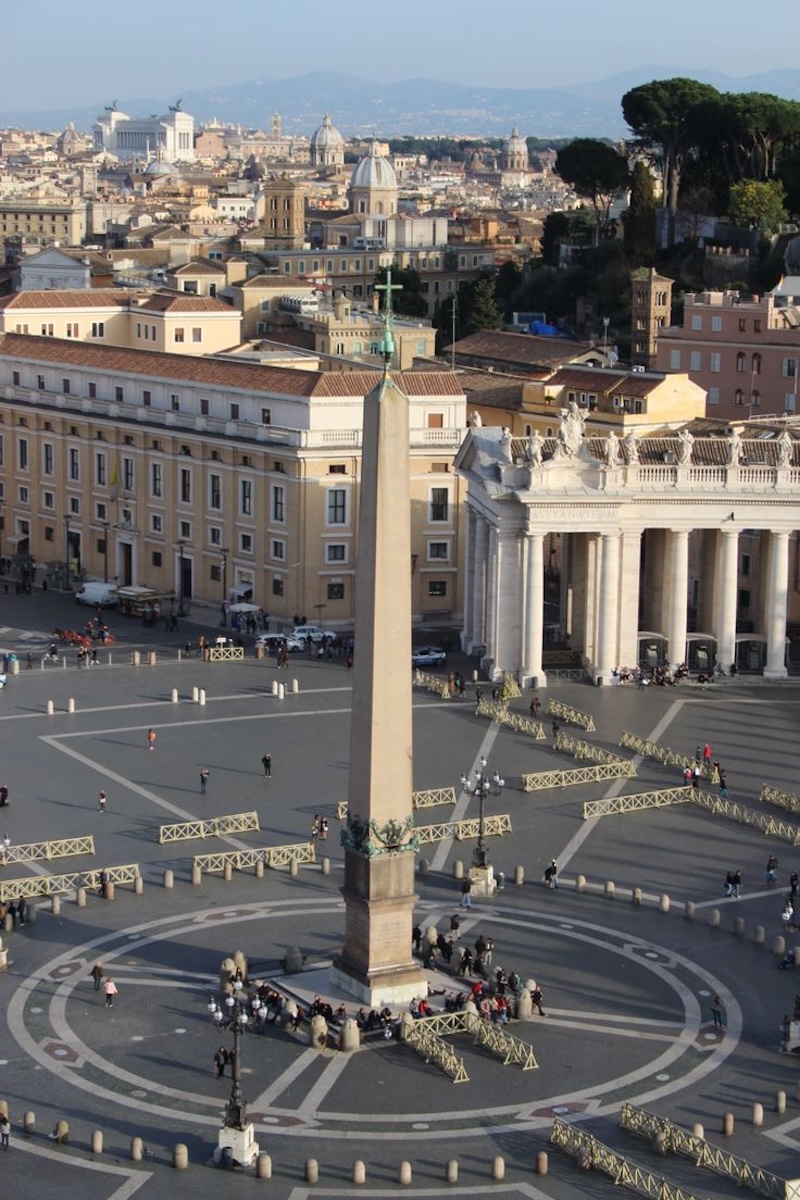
(516, 721)
(567, 713)
(580, 749)
(703, 1153)
(613, 805)
(746, 816)
(461, 831)
(494, 1038)
(433, 683)
(34, 886)
(589, 1152)
(422, 1038)
(303, 853)
(186, 831)
(540, 781)
(426, 799)
(225, 653)
(787, 800)
(35, 851)
(662, 754)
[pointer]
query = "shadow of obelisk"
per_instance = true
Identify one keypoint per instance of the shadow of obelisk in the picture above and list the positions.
(375, 964)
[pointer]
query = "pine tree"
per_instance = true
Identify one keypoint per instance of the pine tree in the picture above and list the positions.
(484, 312)
(640, 219)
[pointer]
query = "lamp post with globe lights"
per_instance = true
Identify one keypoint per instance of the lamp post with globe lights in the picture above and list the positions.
(236, 1134)
(482, 785)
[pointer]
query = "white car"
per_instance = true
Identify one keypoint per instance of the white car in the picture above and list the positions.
(312, 633)
(272, 642)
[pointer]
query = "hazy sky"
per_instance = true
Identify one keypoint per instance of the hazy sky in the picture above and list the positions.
(60, 54)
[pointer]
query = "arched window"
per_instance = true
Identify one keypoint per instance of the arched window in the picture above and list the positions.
(755, 399)
(756, 364)
(741, 362)
(739, 397)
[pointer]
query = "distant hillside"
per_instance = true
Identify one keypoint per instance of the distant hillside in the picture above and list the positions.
(420, 106)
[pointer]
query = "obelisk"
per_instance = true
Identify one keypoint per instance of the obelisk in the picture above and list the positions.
(376, 964)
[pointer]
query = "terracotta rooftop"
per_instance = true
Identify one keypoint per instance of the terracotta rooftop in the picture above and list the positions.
(182, 302)
(522, 349)
(68, 298)
(198, 266)
(628, 383)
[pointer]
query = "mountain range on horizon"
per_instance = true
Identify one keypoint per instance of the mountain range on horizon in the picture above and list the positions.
(425, 107)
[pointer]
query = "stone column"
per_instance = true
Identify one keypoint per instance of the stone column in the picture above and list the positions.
(629, 585)
(677, 583)
(469, 569)
(727, 587)
(534, 611)
(608, 615)
(592, 542)
(508, 588)
(479, 575)
(776, 601)
(490, 630)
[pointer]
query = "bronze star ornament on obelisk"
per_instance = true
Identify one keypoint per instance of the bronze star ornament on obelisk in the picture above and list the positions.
(375, 964)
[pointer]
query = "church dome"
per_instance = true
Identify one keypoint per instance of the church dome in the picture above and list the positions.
(374, 171)
(327, 137)
(516, 144)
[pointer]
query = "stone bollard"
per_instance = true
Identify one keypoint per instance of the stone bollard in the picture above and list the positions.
(50, 708)
(610, 889)
(97, 1141)
(135, 658)
(281, 691)
(259, 869)
(312, 1170)
(326, 866)
(350, 1037)
(227, 872)
(109, 890)
(663, 903)
(780, 1102)
(318, 1033)
(523, 1007)
(138, 886)
(458, 869)
(738, 927)
(451, 1170)
(758, 1115)
(359, 1172)
(137, 1149)
(423, 866)
(180, 1156)
(62, 1133)
(15, 666)
(8, 923)
(699, 1132)
(174, 696)
(263, 1166)
(294, 868)
(580, 883)
(259, 651)
(728, 1125)
(295, 687)
(779, 946)
(197, 875)
(151, 658)
(195, 695)
(519, 875)
(241, 964)
(71, 705)
(498, 1168)
(293, 961)
(169, 879)
(29, 1124)
(201, 697)
(542, 1163)
(688, 910)
(404, 1174)
(715, 920)
(55, 905)
(274, 687)
(636, 897)
(80, 897)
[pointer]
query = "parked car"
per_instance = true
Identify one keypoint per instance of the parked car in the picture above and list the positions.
(273, 642)
(428, 656)
(311, 633)
(94, 594)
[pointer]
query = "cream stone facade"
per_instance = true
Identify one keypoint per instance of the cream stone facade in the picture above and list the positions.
(645, 530)
(143, 466)
(169, 137)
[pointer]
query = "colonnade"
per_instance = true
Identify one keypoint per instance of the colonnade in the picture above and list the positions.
(614, 583)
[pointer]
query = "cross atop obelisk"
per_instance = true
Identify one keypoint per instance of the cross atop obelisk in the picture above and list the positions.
(376, 963)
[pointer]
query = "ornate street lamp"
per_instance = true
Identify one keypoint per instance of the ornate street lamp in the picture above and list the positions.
(236, 1134)
(482, 785)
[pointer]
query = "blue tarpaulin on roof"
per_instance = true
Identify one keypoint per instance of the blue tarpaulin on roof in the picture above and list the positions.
(542, 330)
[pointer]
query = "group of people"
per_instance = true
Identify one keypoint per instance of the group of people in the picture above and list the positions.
(319, 828)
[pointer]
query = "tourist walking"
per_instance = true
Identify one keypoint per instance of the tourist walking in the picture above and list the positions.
(220, 1062)
(266, 762)
(97, 974)
(315, 829)
(466, 889)
(110, 990)
(102, 800)
(772, 866)
(3, 795)
(151, 739)
(5, 1132)
(551, 874)
(203, 780)
(716, 1012)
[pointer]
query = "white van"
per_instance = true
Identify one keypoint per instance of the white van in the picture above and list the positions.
(94, 594)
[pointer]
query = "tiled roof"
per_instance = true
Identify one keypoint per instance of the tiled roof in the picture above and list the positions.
(198, 266)
(217, 372)
(182, 302)
(68, 298)
(522, 348)
(626, 383)
(273, 282)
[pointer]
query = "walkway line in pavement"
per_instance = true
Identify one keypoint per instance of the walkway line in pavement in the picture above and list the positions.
(133, 1179)
(614, 789)
(327, 1080)
(525, 1190)
(285, 1080)
(444, 848)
